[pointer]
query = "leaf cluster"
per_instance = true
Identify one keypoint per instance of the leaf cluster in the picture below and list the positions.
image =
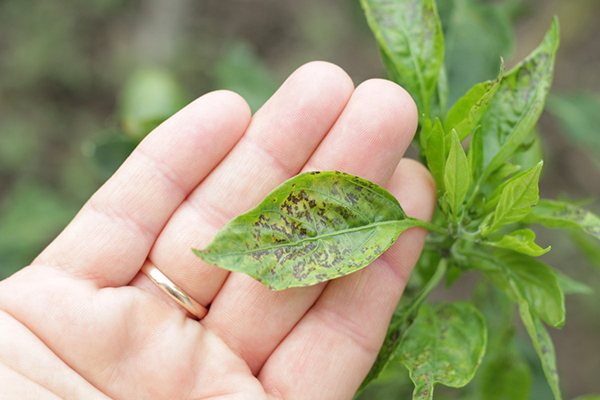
(483, 153)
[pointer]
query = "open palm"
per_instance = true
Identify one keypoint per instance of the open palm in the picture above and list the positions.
(82, 321)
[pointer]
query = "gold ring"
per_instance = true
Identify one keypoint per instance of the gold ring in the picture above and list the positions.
(174, 291)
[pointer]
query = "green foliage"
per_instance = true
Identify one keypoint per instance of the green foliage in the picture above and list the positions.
(445, 344)
(486, 197)
(314, 227)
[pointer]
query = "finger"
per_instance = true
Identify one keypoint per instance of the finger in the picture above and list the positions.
(281, 137)
(368, 140)
(350, 319)
(111, 236)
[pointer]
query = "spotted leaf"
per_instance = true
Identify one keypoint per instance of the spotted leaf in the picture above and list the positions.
(314, 227)
(445, 344)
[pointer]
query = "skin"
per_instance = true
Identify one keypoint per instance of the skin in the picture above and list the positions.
(81, 322)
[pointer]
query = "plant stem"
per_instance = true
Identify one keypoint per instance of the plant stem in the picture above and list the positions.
(429, 226)
(428, 288)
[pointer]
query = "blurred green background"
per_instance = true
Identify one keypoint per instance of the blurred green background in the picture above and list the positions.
(81, 84)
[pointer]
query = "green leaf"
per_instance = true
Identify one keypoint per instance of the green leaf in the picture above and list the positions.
(525, 278)
(445, 344)
(314, 227)
(543, 347)
(457, 175)
(571, 286)
(561, 214)
(578, 116)
(467, 112)
(518, 103)
(522, 240)
(149, 97)
(411, 42)
(240, 70)
(477, 35)
(435, 152)
(517, 198)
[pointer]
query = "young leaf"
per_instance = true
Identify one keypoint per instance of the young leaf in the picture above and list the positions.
(457, 175)
(445, 344)
(516, 200)
(314, 227)
(522, 240)
(410, 38)
(467, 112)
(518, 103)
(435, 152)
(561, 214)
(527, 279)
(542, 342)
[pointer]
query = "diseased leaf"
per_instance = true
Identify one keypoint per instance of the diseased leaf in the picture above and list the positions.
(543, 347)
(518, 103)
(589, 397)
(314, 227)
(411, 42)
(561, 214)
(457, 175)
(522, 240)
(525, 278)
(435, 152)
(445, 344)
(571, 286)
(517, 198)
(467, 112)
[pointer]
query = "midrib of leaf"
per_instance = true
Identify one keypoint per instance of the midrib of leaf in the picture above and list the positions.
(375, 225)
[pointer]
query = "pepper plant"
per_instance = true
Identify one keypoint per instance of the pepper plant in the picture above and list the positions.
(322, 225)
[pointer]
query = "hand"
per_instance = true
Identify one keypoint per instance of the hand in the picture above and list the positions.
(82, 321)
